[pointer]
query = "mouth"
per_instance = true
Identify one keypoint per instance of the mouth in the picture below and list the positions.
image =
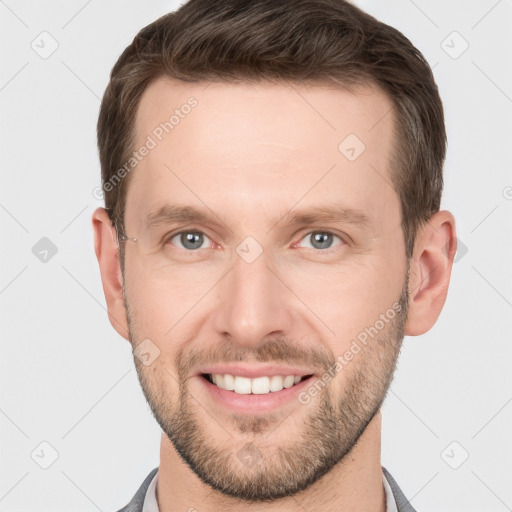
(253, 389)
(262, 385)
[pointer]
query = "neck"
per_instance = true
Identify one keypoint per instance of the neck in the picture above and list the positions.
(355, 483)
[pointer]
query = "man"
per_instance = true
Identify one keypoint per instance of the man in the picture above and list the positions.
(273, 176)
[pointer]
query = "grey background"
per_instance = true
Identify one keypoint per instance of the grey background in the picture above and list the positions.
(68, 379)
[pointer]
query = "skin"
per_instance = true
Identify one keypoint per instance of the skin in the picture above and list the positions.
(252, 153)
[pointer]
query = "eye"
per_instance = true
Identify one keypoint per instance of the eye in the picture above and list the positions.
(190, 240)
(321, 239)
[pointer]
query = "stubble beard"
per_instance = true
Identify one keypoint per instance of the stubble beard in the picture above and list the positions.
(256, 468)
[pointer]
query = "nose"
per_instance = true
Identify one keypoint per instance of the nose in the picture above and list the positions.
(253, 304)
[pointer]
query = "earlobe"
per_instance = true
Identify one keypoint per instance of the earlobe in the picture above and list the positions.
(430, 272)
(106, 249)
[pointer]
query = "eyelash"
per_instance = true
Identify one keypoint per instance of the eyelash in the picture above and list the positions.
(168, 238)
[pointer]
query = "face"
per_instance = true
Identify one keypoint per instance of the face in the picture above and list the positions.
(292, 282)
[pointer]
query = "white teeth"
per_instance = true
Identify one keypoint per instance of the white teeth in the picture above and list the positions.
(229, 382)
(242, 385)
(288, 381)
(256, 386)
(260, 385)
(276, 383)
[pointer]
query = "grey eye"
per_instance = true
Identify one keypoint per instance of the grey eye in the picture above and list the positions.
(190, 240)
(321, 239)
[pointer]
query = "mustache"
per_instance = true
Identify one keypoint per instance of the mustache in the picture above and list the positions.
(279, 350)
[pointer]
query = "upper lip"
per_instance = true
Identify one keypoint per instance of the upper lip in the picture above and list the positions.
(253, 372)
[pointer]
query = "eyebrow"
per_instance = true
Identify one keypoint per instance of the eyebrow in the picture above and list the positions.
(328, 213)
(175, 213)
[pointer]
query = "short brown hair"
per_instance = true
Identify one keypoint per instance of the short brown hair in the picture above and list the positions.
(301, 41)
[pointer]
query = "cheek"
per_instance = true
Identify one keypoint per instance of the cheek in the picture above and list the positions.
(160, 298)
(160, 384)
(161, 311)
(350, 298)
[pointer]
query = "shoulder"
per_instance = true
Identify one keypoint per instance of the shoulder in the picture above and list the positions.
(402, 503)
(137, 502)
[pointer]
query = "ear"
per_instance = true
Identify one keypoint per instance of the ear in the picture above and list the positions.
(105, 246)
(430, 271)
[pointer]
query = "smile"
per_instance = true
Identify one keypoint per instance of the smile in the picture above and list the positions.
(256, 386)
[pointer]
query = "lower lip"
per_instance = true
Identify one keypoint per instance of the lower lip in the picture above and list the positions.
(239, 403)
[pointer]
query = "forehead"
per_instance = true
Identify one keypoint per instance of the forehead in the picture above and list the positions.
(242, 148)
